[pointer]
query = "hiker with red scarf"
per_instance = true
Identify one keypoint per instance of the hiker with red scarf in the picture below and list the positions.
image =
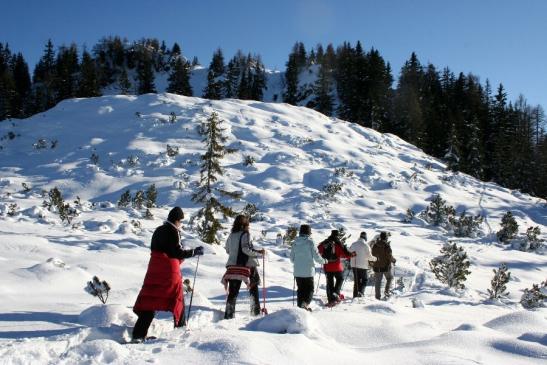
(332, 250)
(162, 287)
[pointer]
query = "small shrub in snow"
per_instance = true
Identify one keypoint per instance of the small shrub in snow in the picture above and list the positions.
(172, 151)
(172, 117)
(132, 161)
(148, 214)
(343, 234)
(534, 297)
(94, 158)
(342, 172)
(509, 228)
(409, 216)
(151, 196)
(252, 212)
(56, 202)
(249, 160)
(124, 200)
(26, 187)
(290, 235)
(330, 190)
(98, 288)
(465, 225)
(138, 114)
(498, 288)
(40, 144)
(451, 266)
(438, 212)
(138, 200)
(12, 209)
(54, 143)
(532, 240)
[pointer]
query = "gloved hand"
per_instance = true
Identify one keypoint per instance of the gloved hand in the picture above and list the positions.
(198, 251)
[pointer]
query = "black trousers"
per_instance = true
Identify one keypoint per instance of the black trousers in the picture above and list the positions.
(233, 291)
(360, 277)
(304, 291)
(333, 289)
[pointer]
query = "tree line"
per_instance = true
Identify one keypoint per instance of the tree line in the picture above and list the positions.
(455, 117)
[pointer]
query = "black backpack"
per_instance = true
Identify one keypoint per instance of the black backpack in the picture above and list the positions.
(329, 250)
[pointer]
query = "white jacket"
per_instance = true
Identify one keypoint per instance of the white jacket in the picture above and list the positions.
(364, 255)
(232, 247)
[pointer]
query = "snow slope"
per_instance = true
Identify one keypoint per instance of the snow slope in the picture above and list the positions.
(46, 317)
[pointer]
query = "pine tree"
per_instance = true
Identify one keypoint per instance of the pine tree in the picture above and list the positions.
(145, 75)
(208, 224)
(124, 83)
(534, 297)
(323, 89)
(179, 80)
(43, 79)
(452, 155)
(233, 73)
(498, 284)
(290, 96)
(215, 75)
(124, 200)
(151, 196)
(89, 83)
(438, 212)
(451, 266)
(509, 228)
(22, 84)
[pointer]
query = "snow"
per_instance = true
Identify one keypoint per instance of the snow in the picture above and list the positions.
(47, 317)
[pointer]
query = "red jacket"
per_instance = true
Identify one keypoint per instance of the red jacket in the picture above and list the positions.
(335, 266)
(162, 287)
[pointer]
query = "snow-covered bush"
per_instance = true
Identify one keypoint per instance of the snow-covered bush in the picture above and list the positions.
(532, 240)
(330, 190)
(151, 196)
(251, 211)
(125, 199)
(132, 161)
(290, 235)
(509, 228)
(12, 209)
(438, 212)
(498, 289)
(172, 117)
(40, 144)
(450, 267)
(138, 200)
(98, 288)
(249, 161)
(534, 297)
(465, 225)
(148, 214)
(409, 216)
(342, 172)
(26, 187)
(94, 158)
(56, 203)
(172, 151)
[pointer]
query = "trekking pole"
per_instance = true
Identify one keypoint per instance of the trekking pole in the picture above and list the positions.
(264, 310)
(192, 295)
(319, 280)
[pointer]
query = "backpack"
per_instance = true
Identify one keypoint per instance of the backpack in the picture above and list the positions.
(329, 250)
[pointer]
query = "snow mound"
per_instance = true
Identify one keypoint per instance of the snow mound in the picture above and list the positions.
(382, 308)
(518, 323)
(293, 320)
(96, 352)
(106, 316)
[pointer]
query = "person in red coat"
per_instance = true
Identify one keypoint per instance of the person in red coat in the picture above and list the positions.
(333, 251)
(162, 287)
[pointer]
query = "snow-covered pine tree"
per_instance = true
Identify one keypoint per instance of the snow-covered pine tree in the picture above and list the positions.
(125, 199)
(179, 79)
(207, 223)
(534, 297)
(509, 228)
(438, 212)
(145, 74)
(138, 200)
(498, 288)
(452, 155)
(323, 89)
(532, 240)
(465, 225)
(450, 267)
(88, 85)
(151, 196)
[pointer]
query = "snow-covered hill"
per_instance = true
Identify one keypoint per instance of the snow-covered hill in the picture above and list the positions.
(45, 264)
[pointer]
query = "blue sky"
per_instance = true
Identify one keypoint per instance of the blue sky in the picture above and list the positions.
(504, 41)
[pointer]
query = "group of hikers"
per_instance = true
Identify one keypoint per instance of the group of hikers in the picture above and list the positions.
(162, 289)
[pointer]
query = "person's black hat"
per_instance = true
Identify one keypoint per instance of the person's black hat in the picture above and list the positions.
(305, 230)
(363, 235)
(334, 233)
(383, 235)
(176, 214)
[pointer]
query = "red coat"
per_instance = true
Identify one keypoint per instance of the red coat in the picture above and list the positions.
(335, 266)
(162, 287)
